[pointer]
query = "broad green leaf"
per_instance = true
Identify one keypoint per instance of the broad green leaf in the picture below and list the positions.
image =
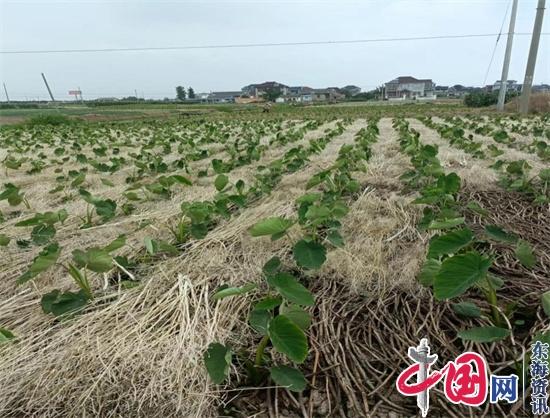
(35, 220)
(467, 309)
(240, 186)
(4, 240)
(218, 166)
(309, 198)
(525, 255)
(149, 246)
(159, 246)
(450, 183)
(277, 236)
(11, 193)
(117, 243)
(291, 289)
(42, 233)
(268, 303)
(132, 196)
(288, 338)
(259, 319)
(48, 218)
(94, 259)
(476, 207)
(297, 315)
(270, 226)
(220, 182)
(181, 179)
(47, 258)
(59, 304)
(233, 291)
(6, 335)
(450, 243)
(309, 255)
(335, 238)
(460, 272)
(484, 334)
(492, 282)
(289, 377)
(107, 182)
(272, 266)
(545, 299)
(445, 223)
(199, 230)
(499, 234)
(105, 208)
(429, 271)
(217, 360)
(78, 180)
(240, 201)
(317, 213)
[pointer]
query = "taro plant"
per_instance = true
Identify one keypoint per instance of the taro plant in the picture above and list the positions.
(279, 315)
(6, 336)
(14, 196)
(456, 261)
(514, 176)
(95, 259)
(280, 319)
(105, 208)
(44, 229)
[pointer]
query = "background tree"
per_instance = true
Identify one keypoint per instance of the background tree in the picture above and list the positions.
(272, 94)
(180, 93)
(191, 93)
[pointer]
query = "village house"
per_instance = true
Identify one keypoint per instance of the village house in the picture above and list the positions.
(408, 87)
(511, 85)
(222, 96)
(331, 94)
(257, 90)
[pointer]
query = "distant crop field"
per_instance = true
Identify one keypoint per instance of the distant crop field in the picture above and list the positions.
(235, 263)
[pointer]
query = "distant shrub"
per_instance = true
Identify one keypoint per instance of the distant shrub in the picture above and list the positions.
(18, 106)
(50, 119)
(480, 99)
(483, 99)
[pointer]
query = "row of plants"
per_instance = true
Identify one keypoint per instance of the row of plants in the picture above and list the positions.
(278, 313)
(196, 220)
(459, 258)
(513, 175)
(499, 132)
(157, 185)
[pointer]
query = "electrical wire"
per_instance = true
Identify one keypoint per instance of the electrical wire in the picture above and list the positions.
(496, 44)
(258, 45)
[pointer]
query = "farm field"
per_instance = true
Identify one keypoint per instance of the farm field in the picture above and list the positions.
(193, 267)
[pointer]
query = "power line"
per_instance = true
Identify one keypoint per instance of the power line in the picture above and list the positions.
(258, 45)
(496, 44)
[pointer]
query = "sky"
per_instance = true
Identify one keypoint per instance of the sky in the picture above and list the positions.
(77, 24)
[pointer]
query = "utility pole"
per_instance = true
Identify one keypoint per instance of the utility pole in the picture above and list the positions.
(506, 66)
(532, 60)
(6, 91)
(48, 87)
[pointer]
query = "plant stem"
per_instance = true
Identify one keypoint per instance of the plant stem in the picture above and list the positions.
(492, 299)
(260, 350)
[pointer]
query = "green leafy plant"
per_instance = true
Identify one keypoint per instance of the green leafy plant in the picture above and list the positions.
(280, 319)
